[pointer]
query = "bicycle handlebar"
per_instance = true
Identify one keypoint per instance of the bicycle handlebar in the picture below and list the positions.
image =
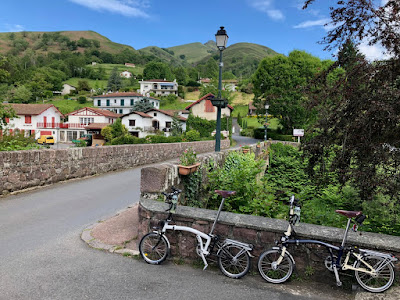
(172, 199)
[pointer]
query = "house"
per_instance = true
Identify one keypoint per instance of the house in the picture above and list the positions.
(203, 108)
(67, 88)
(126, 74)
(159, 87)
(130, 65)
(141, 124)
(78, 121)
(35, 120)
(252, 109)
(121, 103)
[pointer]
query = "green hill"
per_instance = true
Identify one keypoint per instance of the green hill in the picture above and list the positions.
(192, 53)
(163, 54)
(243, 58)
(44, 42)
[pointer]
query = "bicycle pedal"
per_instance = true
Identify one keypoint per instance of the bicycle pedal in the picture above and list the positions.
(338, 283)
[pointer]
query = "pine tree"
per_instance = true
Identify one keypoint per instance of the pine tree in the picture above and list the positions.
(114, 82)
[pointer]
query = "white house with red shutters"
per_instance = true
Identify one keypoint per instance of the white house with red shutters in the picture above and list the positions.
(35, 120)
(203, 108)
(79, 121)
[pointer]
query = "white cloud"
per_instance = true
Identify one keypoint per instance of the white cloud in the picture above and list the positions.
(267, 7)
(129, 8)
(375, 52)
(319, 22)
(13, 27)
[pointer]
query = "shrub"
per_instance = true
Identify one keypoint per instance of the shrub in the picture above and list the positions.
(82, 99)
(192, 135)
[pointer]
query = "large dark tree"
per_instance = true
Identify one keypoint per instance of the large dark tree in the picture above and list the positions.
(359, 116)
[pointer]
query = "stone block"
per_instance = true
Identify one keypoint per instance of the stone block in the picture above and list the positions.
(153, 179)
(245, 234)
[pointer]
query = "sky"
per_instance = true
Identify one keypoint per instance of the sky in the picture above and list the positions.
(281, 25)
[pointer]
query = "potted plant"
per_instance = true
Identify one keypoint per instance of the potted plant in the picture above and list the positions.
(246, 149)
(188, 162)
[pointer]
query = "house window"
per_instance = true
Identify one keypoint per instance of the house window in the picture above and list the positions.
(122, 102)
(28, 119)
(120, 111)
(108, 102)
(7, 120)
(168, 124)
(98, 102)
(132, 122)
(86, 121)
(155, 114)
(132, 102)
(115, 101)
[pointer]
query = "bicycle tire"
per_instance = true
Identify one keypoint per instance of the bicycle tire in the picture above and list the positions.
(277, 274)
(232, 266)
(154, 248)
(375, 284)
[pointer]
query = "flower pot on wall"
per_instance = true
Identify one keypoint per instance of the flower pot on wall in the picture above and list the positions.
(186, 170)
(246, 150)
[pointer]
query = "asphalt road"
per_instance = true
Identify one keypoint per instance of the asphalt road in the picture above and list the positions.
(43, 257)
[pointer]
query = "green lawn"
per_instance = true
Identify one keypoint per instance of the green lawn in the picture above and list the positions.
(242, 109)
(177, 105)
(67, 106)
(109, 67)
(253, 122)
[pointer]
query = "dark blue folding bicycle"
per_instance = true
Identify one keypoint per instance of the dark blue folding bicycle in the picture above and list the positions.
(374, 271)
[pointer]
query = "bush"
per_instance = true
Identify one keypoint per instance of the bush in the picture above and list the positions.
(82, 99)
(127, 139)
(66, 97)
(192, 135)
(203, 126)
(271, 134)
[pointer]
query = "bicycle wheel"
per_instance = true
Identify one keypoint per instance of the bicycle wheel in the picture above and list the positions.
(375, 283)
(270, 271)
(233, 261)
(154, 248)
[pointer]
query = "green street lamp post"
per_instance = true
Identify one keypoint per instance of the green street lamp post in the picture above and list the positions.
(266, 121)
(221, 38)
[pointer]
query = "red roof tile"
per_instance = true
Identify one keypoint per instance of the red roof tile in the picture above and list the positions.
(140, 113)
(168, 113)
(31, 109)
(97, 125)
(100, 111)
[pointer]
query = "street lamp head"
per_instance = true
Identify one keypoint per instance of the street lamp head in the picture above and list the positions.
(266, 106)
(221, 38)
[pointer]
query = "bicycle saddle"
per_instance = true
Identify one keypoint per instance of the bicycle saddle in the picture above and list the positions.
(349, 214)
(225, 194)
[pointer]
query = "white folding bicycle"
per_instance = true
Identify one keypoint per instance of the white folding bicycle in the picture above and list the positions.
(233, 256)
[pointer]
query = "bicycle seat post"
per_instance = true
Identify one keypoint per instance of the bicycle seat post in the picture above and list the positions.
(346, 232)
(218, 213)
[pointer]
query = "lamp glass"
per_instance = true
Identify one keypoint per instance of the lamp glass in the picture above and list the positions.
(221, 38)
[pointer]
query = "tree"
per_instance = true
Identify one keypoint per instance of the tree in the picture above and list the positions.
(114, 130)
(357, 133)
(22, 94)
(374, 21)
(114, 81)
(83, 85)
(142, 105)
(157, 70)
(176, 126)
(279, 80)
(6, 112)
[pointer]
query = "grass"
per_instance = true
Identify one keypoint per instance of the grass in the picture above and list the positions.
(92, 83)
(240, 109)
(177, 105)
(66, 106)
(253, 122)
(120, 67)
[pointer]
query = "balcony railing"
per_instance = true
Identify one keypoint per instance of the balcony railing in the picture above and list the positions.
(60, 125)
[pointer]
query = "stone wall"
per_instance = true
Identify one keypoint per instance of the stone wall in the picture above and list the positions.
(25, 169)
